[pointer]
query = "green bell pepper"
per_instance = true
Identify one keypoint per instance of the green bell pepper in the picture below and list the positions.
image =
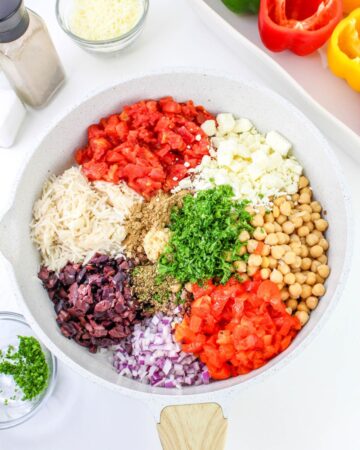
(243, 6)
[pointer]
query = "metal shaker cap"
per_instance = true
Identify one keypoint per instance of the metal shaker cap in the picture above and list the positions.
(14, 20)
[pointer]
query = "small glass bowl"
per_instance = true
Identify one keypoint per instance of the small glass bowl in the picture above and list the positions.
(16, 412)
(64, 10)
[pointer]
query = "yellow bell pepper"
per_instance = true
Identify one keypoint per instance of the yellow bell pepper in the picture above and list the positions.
(344, 50)
(350, 5)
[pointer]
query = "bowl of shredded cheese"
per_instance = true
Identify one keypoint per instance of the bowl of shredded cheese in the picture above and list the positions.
(103, 26)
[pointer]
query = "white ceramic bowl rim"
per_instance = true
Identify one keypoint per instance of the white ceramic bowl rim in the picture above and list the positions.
(219, 392)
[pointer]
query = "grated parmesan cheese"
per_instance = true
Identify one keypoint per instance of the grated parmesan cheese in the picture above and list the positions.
(257, 167)
(74, 219)
(98, 20)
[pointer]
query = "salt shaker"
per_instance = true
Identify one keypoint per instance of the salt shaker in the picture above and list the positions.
(27, 54)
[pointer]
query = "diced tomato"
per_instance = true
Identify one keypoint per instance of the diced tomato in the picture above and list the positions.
(161, 134)
(237, 327)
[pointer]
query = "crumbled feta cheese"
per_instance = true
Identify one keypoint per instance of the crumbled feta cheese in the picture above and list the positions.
(209, 127)
(278, 143)
(256, 167)
(226, 123)
(242, 125)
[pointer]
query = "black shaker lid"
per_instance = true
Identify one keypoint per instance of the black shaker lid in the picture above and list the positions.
(14, 20)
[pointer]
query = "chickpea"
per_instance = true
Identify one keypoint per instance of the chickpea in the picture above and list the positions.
(285, 208)
(255, 260)
(302, 307)
(310, 225)
(277, 252)
(318, 290)
(175, 288)
(297, 263)
(244, 277)
(303, 317)
(257, 220)
(312, 302)
(311, 279)
(306, 263)
(303, 231)
(262, 210)
(321, 224)
(314, 266)
(280, 286)
(271, 239)
(265, 250)
(289, 278)
(251, 270)
(296, 248)
(319, 279)
(294, 238)
(188, 286)
(269, 218)
(306, 217)
(316, 251)
(242, 250)
(288, 227)
(286, 248)
(276, 276)
(323, 259)
(272, 262)
(244, 236)
(315, 216)
(279, 200)
(304, 209)
(290, 257)
(324, 243)
(316, 207)
(304, 251)
(276, 211)
(281, 219)
(305, 198)
(305, 291)
(303, 182)
(278, 227)
(269, 227)
(265, 263)
(292, 303)
(318, 234)
(289, 311)
(264, 273)
(300, 278)
(284, 294)
(240, 266)
(323, 270)
(296, 220)
(295, 290)
(283, 268)
(312, 239)
(259, 234)
(251, 245)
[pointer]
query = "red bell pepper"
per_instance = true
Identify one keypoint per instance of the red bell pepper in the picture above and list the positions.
(301, 26)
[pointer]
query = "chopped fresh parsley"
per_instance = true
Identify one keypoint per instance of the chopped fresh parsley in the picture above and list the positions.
(204, 236)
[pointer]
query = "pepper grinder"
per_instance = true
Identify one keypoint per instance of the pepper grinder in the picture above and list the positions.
(27, 54)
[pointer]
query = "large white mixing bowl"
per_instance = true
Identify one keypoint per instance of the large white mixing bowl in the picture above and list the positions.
(217, 93)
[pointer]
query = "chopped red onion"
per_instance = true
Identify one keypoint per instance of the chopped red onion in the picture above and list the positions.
(155, 358)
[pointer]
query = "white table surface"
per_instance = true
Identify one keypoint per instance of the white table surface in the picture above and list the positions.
(312, 404)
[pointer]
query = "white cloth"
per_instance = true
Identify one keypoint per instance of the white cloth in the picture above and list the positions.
(313, 403)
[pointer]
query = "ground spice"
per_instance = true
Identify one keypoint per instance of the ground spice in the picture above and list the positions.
(27, 366)
(145, 216)
(155, 295)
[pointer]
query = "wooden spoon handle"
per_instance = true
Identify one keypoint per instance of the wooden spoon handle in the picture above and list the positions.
(192, 427)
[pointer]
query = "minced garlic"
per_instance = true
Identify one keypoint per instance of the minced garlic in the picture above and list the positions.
(98, 20)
